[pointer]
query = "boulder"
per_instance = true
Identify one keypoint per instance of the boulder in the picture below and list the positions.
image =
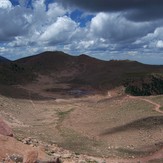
(5, 129)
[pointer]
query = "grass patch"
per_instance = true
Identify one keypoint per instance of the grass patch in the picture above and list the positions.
(161, 108)
(130, 153)
(62, 115)
(91, 162)
(156, 161)
(81, 144)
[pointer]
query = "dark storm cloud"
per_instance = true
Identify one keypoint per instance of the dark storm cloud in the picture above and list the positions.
(138, 10)
(148, 14)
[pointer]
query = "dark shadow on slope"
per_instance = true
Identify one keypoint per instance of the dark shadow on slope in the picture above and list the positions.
(20, 93)
(144, 123)
(13, 91)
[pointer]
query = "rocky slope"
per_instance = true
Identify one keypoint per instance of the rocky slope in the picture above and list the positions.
(30, 150)
(12, 150)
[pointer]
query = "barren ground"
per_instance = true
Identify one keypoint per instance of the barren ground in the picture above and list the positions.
(116, 127)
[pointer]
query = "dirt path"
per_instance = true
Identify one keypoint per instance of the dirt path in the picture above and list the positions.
(31, 101)
(157, 106)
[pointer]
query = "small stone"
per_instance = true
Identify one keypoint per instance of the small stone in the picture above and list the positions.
(82, 161)
(32, 145)
(66, 156)
(56, 155)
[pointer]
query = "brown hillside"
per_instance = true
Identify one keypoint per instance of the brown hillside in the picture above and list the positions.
(59, 72)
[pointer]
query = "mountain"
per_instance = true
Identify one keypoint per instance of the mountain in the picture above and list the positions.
(58, 72)
(3, 59)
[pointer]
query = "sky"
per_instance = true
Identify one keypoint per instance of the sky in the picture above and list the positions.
(105, 29)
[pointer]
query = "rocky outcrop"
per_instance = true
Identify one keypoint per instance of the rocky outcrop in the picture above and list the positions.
(12, 150)
(5, 129)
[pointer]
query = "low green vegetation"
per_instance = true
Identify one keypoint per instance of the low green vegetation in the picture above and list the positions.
(63, 114)
(130, 153)
(145, 86)
(73, 140)
(156, 161)
(13, 73)
(161, 108)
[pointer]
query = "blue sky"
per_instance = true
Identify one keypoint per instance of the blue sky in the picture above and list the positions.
(105, 29)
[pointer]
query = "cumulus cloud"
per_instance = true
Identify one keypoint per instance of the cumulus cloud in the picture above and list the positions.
(5, 4)
(21, 27)
(159, 44)
(13, 23)
(24, 26)
(152, 41)
(60, 31)
(113, 32)
(116, 28)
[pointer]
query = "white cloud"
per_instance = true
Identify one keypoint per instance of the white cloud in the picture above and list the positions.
(4, 4)
(132, 53)
(55, 10)
(60, 31)
(108, 31)
(3, 49)
(115, 28)
(159, 44)
(152, 40)
(13, 23)
(22, 26)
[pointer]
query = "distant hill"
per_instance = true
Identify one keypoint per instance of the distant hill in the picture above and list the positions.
(82, 72)
(3, 59)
